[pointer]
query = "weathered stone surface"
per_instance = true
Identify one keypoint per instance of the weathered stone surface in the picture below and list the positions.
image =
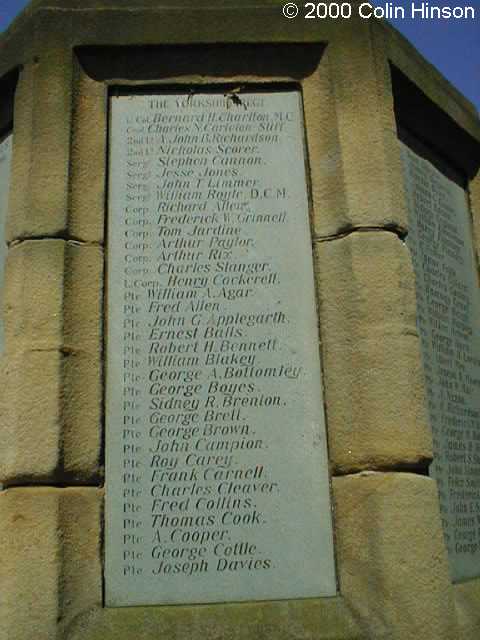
(50, 417)
(358, 153)
(5, 171)
(51, 568)
(82, 402)
(392, 562)
(53, 295)
(21, 159)
(30, 416)
(52, 368)
(34, 296)
(330, 207)
(326, 619)
(88, 167)
(83, 298)
(373, 380)
(80, 525)
(467, 597)
(30, 567)
(45, 210)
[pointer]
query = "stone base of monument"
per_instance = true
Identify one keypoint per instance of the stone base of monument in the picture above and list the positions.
(240, 331)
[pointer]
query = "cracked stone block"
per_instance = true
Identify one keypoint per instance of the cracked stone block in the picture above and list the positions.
(347, 193)
(374, 385)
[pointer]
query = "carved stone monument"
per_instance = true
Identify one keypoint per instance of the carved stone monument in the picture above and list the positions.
(240, 374)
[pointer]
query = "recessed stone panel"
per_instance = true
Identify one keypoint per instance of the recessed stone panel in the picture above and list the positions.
(448, 318)
(216, 457)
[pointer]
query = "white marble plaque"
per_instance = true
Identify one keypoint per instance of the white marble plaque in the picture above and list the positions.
(216, 458)
(5, 168)
(448, 312)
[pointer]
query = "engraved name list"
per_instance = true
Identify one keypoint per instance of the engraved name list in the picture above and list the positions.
(448, 313)
(216, 469)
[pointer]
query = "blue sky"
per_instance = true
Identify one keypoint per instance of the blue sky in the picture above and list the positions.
(453, 46)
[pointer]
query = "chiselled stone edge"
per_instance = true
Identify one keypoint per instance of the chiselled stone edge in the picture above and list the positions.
(393, 566)
(355, 120)
(51, 562)
(51, 408)
(374, 387)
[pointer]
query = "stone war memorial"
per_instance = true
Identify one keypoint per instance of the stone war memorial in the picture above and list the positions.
(239, 330)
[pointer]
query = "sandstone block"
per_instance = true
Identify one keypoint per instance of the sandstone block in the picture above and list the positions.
(371, 357)
(34, 291)
(467, 597)
(88, 168)
(330, 209)
(53, 296)
(362, 126)
(22, 149)
(51, 568)
(326, 619)
(52, 372)
(30, 416)
(45, 213)
(50, 418)
(392, 561)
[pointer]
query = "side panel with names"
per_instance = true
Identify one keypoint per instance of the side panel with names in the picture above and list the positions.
(216, 470)
(448, 316)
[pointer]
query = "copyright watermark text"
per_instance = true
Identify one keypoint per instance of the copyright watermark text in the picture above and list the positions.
(387, 10)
